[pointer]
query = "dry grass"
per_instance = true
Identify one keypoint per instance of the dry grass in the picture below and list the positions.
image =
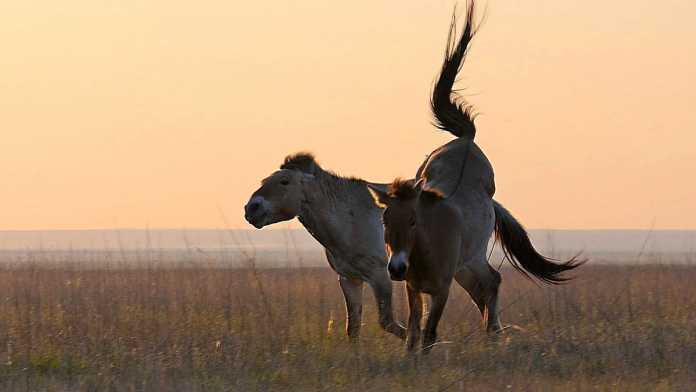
(215, 329)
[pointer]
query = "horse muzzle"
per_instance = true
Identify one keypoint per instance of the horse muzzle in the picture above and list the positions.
(256, 211)
(398, 264)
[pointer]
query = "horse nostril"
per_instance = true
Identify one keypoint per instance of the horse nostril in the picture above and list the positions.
(253, 207)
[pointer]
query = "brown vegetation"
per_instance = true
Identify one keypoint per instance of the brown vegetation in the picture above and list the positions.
(216, 329)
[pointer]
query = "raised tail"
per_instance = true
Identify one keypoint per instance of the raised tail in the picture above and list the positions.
(522, 255)
(452, 113)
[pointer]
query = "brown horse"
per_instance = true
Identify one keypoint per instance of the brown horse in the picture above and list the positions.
(339, 213)
(437, 229)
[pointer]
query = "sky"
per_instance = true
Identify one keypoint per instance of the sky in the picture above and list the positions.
(167, 114)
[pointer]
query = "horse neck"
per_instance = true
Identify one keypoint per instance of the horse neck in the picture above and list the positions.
(327, 199)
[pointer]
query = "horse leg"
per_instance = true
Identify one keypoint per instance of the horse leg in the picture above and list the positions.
(469, 282)
(489, 281)
(382, 288)
(415, 313)
(437, 306)
(352, 292)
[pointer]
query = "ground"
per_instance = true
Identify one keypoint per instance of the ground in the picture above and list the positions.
(207, 328)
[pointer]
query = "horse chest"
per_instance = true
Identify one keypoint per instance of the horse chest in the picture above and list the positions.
(426, 280)
(352, 245)
(343, 267)
(426, 274)
(427, 286)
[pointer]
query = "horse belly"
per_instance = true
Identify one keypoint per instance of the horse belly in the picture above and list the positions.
(356, 266)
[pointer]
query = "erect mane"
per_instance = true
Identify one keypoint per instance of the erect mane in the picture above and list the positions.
(402, 189)
(406, 190)
(301, 161)
(306, 163)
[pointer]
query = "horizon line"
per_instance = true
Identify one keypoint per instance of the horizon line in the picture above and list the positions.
(293, 228)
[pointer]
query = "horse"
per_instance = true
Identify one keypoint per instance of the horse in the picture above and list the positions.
(438, 226)
(340, 214)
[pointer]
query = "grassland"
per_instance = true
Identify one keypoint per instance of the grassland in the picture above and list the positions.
(70, 328)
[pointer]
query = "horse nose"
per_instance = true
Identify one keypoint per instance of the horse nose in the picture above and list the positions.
(251, 211)
(397, 266)
(252, 207)
(256, 211)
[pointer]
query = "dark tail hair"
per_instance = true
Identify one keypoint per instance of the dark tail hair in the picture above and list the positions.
(452, 113)
(522, 255)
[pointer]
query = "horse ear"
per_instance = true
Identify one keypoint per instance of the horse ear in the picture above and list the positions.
(428, 192)
(431, 194)
(381, 197)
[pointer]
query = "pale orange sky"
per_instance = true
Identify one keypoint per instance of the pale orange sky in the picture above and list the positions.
(165, 113)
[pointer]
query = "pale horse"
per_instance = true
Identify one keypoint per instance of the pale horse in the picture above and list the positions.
(340, 214)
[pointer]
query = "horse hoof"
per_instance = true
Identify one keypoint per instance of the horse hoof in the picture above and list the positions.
(510, 328)
(504, 330)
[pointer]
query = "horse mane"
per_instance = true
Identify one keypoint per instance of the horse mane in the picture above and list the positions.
(301, 161)
(331, 182)
(402, 189)
(452, 113)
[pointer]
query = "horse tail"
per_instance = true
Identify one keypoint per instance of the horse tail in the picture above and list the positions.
(519, 251)
(452, 113)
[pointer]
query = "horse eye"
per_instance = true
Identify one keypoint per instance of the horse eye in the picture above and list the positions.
(284, 182)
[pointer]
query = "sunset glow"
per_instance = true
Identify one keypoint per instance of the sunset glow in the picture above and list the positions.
(168, 114)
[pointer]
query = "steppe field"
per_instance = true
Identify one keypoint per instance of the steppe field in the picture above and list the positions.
(206, 327)
(179, 178)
